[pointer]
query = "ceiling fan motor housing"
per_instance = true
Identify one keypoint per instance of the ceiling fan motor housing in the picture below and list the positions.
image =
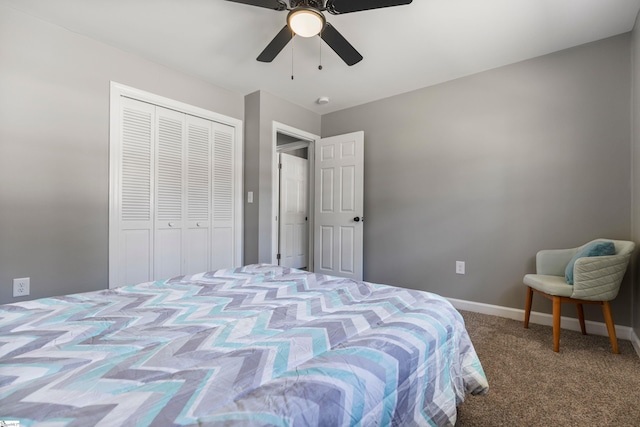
(316, 4)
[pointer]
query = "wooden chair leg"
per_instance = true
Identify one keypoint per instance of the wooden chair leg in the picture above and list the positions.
(581, 318)
(608, 318)
(527, 307)
(556, 324)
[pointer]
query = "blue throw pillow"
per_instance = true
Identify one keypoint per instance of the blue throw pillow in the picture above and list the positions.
(592, 249)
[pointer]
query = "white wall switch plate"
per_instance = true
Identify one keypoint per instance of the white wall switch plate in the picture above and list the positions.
(460, 267)
(250, 197)
(21, 287)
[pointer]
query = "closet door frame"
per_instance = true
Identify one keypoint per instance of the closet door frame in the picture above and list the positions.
(117, 93)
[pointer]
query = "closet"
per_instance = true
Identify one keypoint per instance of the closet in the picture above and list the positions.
(175, 193)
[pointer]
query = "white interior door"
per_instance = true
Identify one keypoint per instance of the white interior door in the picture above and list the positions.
(169, 197)
(293, 211)
(131, 241)
(339, 182)
(227, 197)
(198, 195)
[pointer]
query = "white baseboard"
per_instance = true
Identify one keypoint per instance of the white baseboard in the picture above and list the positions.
(570, 323)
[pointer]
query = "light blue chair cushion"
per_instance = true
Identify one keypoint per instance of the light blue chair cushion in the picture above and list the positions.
(592, 249)
(552, 285)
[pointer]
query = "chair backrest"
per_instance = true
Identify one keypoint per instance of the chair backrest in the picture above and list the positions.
(599, 278)
(623, 247)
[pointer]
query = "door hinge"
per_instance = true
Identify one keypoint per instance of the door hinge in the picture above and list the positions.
(278, 256)
(279, 165)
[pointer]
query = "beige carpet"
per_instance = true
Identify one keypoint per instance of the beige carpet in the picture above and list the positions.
(585, 384)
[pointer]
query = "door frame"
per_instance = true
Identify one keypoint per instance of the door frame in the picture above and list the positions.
(308, 139)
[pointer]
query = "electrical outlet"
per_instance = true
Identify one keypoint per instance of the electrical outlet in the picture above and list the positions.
(459, 267)
(21, 287)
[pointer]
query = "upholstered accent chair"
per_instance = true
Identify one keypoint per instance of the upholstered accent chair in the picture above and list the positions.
(596, 274)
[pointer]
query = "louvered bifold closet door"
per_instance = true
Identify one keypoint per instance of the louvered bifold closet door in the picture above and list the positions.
(170, 190)
(175, 182)
(134, 201)
(224, 182)
(199, 190)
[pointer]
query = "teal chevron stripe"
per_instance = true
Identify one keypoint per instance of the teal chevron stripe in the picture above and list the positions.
(222, 339)
(392, 371)
(13, 367)
(260, 328)
(282, 351)
(58, 421)
(184, 418)
(93, 373)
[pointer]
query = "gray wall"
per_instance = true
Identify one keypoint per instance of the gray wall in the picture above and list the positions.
(490, 168)
(635, 159)
(54, 146)
(261, 110)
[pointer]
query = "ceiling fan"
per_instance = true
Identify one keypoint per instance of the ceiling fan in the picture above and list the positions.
(306, 19)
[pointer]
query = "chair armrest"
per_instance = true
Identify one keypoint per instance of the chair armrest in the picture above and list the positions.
(552, 262)
(599, 278)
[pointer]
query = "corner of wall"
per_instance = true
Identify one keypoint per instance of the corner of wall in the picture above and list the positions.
(635, 172)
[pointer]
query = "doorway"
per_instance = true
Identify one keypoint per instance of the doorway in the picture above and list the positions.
(293, 217)
(293, 204)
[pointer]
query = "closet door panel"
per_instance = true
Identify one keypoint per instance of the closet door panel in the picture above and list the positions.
(170, 184)
(222, 248)
(224, 187)
(168, 262)
(198, 249)
(135, 256)
(199, 195)
(135, 239)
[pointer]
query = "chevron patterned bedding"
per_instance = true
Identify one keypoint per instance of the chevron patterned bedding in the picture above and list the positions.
(257, 345)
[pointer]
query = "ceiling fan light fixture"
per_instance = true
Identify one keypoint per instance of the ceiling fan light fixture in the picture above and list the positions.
(306, 21)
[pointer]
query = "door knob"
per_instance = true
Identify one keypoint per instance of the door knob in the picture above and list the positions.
(356, 219)
(170, 224)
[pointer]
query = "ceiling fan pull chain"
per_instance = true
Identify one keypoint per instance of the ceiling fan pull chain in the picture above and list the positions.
(320, 50)
(292, 43)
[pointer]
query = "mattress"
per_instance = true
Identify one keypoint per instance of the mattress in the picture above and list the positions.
(257, 345)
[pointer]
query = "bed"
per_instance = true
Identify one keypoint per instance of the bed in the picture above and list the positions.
(257, 345)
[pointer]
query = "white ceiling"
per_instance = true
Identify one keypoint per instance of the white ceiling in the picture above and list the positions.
(404, 48)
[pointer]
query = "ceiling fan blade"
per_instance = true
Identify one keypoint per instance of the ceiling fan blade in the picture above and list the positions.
(277, 44)
(269, 4)
(337, 7)
(340, 45)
